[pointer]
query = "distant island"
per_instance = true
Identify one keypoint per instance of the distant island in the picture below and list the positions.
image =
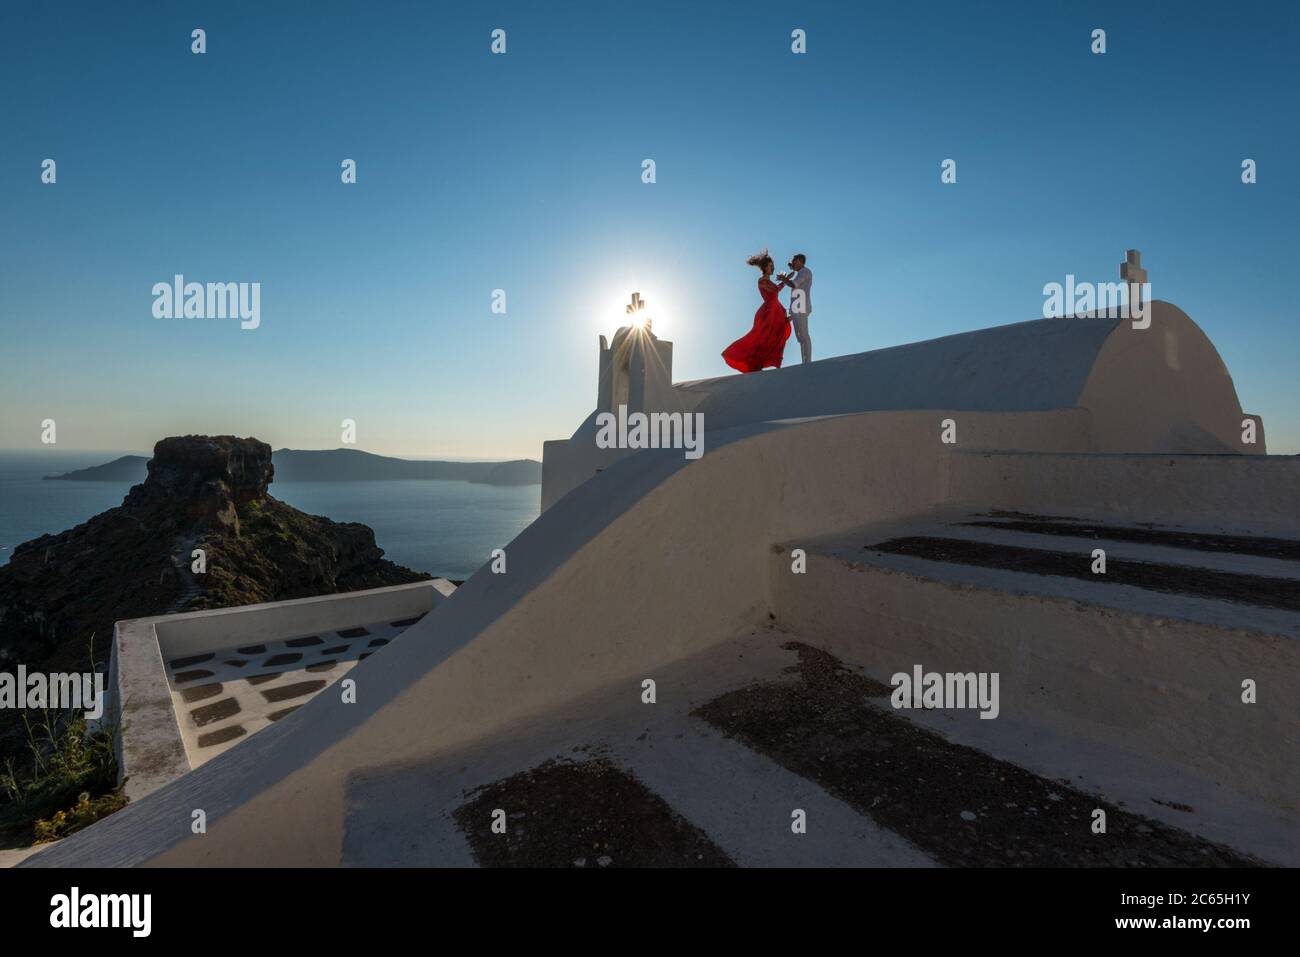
(339, 465)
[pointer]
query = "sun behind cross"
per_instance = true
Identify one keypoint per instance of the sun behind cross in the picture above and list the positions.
(636, 309)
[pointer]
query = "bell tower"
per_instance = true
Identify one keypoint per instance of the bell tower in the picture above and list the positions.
(636, 369)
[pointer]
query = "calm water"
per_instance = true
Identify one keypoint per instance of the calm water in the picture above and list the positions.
(445, 528)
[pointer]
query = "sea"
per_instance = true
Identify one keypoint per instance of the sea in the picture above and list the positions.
(445, 528)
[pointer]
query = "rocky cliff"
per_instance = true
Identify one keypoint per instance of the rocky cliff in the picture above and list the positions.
(60, 594)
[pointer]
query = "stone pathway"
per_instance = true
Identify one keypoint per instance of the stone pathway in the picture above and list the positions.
(867, 787)
(181, 559)
(835, 727)
(746, 740)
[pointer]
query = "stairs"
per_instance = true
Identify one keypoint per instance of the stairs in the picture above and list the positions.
(1120, 693)
(1147, 660)
(763, 727)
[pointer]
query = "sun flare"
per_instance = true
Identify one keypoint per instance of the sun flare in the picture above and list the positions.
(649, 309)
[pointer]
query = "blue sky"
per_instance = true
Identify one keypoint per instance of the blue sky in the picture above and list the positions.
(523, 172)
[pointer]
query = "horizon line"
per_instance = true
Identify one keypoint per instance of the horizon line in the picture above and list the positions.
(148, 455)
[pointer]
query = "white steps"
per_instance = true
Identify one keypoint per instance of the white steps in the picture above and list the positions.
(1148, 673)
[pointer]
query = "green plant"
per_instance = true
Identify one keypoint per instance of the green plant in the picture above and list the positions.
(62, 772)
(64, 757)
(85, 812)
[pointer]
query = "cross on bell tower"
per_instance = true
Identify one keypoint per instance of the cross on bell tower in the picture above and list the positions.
(636, 367)
(635, 308)
(1131, 271)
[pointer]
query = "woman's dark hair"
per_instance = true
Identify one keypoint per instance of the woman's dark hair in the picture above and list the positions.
(760, 259)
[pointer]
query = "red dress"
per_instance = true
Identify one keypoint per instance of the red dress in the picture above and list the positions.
(763, 345)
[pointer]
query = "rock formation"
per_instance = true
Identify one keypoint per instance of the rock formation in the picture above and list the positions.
(60, 594)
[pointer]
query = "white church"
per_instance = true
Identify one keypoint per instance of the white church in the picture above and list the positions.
(1142, 391)
(1077, 506)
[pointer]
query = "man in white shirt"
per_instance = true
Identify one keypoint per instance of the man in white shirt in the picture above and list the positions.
(801, 302)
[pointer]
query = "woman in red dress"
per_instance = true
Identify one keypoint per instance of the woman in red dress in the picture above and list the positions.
(764, 344)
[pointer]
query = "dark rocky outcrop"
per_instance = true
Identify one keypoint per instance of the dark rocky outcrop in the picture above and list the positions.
(60, 594)
(205, 468)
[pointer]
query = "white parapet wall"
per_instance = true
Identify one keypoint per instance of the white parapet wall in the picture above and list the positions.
(151, 750)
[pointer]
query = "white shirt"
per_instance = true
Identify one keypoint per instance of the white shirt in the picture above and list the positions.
(801, 280)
